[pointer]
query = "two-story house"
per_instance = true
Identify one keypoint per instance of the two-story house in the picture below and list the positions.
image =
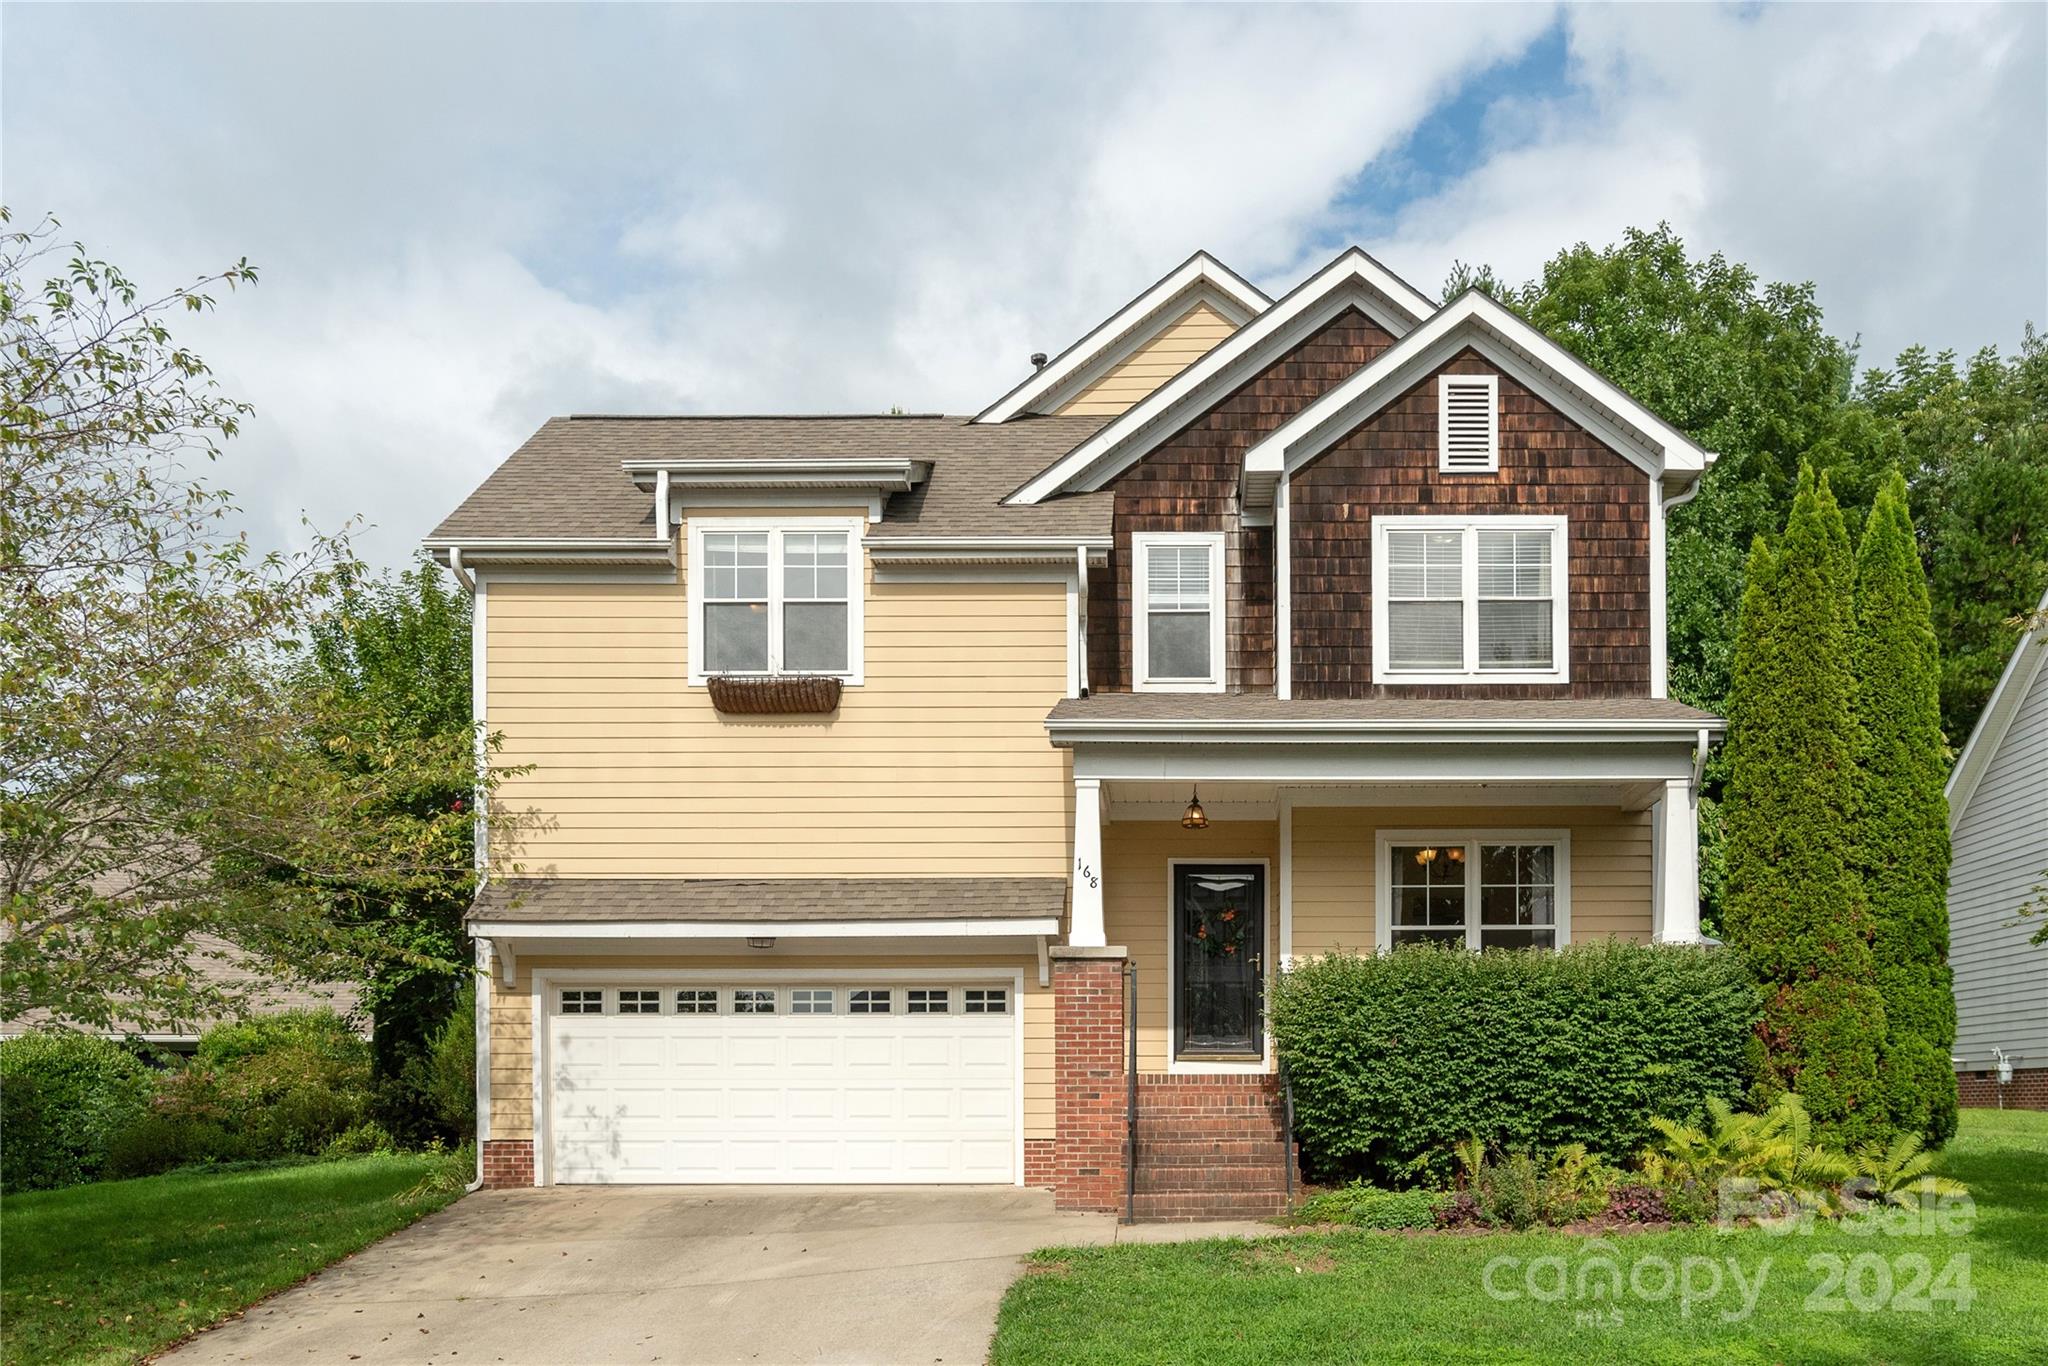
(867, 753)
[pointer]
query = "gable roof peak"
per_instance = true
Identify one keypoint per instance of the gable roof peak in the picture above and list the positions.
(1351, 278)
(1201, 278)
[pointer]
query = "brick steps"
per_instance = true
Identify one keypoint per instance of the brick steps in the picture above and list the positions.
(1163, 1207)
(1270, 1179)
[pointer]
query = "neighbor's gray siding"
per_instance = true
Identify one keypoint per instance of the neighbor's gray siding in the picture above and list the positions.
(2001, 852)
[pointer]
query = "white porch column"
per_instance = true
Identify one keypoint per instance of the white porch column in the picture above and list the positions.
(1677, 911)
(1087, 928)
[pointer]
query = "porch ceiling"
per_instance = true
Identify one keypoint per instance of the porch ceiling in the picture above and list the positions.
(1224, 800)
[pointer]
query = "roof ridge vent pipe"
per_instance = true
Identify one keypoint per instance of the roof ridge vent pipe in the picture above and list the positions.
(1038, 360)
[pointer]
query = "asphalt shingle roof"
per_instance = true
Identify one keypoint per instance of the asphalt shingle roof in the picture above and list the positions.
(768, 901)
(565, 482)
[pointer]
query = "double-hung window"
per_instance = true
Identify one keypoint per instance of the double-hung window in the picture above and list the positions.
(1469, 599)
(769, 600)
(1177, 611)
(1483, 889)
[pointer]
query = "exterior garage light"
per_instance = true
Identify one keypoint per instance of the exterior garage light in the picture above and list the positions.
(754, 943)
(1194, 818)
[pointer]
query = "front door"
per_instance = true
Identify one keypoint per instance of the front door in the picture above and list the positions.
(1219, 951)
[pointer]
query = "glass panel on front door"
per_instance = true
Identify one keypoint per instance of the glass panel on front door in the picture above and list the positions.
(1219, 914)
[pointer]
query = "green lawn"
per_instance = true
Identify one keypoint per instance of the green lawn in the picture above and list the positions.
(1359, 1296)
(111, 1271)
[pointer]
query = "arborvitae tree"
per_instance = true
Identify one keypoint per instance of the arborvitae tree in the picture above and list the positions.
(1794, 902)
(1902, 818)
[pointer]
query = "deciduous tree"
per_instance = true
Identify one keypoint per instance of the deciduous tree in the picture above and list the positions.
(162, 774)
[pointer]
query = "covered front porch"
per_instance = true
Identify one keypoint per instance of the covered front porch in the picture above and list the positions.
(1217, 839)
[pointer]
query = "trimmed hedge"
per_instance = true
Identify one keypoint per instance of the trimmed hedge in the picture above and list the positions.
(1396, 1058)
(64, 1100)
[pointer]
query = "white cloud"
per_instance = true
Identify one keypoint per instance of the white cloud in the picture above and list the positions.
(472, 217)
(1895, 155)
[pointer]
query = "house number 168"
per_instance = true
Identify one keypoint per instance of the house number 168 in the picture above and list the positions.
(1087, 873)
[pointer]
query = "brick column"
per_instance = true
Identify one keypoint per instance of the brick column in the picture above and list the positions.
(508, 1162)
(1089, 1082)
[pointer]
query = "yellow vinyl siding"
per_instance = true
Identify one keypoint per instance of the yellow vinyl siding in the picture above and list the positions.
(1334, 849)
(1135, 890)
(512, 1017)
(1175, 347)
(511, 1057)
(937, 766)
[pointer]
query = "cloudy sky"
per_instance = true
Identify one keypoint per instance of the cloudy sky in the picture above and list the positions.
(470, 217)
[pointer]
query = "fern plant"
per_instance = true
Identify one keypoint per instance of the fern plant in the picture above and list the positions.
(1903, 1173)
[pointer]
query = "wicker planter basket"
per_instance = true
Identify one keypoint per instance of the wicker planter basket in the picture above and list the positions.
(775, 696)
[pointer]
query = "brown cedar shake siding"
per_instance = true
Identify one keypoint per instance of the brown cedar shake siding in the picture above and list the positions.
(1190, 482)
(1548, 464)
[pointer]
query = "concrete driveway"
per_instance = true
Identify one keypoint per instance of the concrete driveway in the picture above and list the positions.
(671, 1274)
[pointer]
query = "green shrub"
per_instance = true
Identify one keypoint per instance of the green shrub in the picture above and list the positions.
(321, 1031)
(1396, 1058)
(446, 1079)
(360, 1141)
(1370, 1207)
(274, 1086)
(63, 1099)
(160, 1142)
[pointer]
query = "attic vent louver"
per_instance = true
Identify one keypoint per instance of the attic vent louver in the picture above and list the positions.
(1468, 424)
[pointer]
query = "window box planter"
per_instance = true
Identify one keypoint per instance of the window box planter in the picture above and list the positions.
(775, 696)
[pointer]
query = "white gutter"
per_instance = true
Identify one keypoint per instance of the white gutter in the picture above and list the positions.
(1058, 543)
(594, 549)
(1383, 727)
(897, 474)
(763, 929)
(1080, 642)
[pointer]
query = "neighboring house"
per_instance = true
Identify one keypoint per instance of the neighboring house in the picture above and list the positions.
(217, 962)
(1998, 826)
(867, 749)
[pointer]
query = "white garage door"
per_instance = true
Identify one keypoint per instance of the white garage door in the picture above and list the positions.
(743, 1081)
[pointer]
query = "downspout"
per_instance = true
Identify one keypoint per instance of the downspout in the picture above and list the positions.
(481, 1082)
(1691, 490)
(462, 576)
(1699, 758)
(1081, 627)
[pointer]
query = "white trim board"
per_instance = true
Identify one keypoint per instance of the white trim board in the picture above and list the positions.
(1509, 343)
(1354, 279)
(769, 929)
(1201, 278)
